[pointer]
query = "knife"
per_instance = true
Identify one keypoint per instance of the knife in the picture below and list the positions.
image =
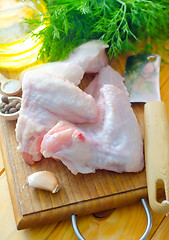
(141, 78)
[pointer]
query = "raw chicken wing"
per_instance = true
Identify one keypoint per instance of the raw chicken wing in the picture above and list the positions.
(68, 70)
(114, 142)
(46, 99)
(91, 56)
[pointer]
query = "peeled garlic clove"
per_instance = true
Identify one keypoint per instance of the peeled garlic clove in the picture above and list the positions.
(44, 180)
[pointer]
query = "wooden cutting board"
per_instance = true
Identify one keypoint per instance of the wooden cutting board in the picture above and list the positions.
(80, 194)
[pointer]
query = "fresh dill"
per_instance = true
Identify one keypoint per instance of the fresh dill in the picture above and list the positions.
(120, 23)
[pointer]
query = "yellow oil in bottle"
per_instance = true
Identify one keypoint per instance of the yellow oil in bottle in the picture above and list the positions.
(18, 49)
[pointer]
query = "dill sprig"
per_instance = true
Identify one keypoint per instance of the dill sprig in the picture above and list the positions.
(120, 23)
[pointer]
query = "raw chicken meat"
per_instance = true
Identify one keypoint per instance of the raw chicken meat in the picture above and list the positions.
(90, 56)
(68, 70)
(49, 96)
(46, 99)
(114, 142)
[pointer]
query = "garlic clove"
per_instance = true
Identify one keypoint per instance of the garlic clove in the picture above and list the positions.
(44, 180)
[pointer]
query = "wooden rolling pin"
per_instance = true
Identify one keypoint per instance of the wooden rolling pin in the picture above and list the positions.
(157, 154)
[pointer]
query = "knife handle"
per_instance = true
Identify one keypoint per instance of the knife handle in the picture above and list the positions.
(156, 147)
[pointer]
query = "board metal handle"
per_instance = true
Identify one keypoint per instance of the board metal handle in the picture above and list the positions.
(145, 234)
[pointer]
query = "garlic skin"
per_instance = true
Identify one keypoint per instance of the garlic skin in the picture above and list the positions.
(44, 180)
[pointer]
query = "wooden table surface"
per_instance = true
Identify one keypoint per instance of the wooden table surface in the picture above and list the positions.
(127, 223)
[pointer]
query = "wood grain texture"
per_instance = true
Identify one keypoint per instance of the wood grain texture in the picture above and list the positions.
(80, 194)
(7, 222)
(156, 143)
(127, 223)
(122, 223)
(1, 163)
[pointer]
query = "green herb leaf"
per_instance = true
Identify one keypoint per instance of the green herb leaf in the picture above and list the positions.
(120, 23)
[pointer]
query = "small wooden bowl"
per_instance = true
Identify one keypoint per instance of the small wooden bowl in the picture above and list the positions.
(11, 116)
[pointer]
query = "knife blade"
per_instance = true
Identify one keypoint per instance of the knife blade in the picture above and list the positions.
(142, 74)
(141, 77)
